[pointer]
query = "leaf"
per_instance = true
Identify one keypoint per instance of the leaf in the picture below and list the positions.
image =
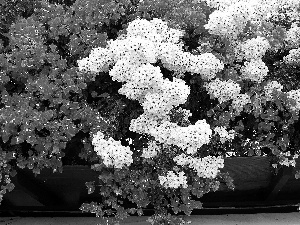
(47, 146)
(13, 173)
(140, 212)
(5, 136)
(94, 94)
(90, 186)
(104, 95)
(210, 113)
(250, 152)
(10, 186)
(21, 165)
(132, 210)
(36, 171)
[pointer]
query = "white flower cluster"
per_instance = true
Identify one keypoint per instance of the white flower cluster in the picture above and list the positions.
(183, 159)
(252, 50)
(255, 70)
(262, 9)
(165, 97)
(240, 101)
(173, 57)
(270, 86)
(149, 30)
(231, 16)
(207, 167)
(147, 41)
(173, 181)
(224, 134)
(227, 22)
(156, 104)
(223, 90)
(98, 60)
(147, 75)
(220, 4)
(133, 53)
(123, 70)
(285, 161)
(136, 50)
(293, 57)
(289, 3)
(255, 48)
(205, 64)
(295, 95)
(289, 7)
(190, 138)
(158, 96)
(112, 152)
(145, 124)
(293, 36)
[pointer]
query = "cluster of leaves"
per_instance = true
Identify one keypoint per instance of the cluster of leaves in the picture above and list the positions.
(47, 105)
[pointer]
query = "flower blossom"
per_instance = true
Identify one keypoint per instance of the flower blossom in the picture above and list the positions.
(112, 152)
(224, 134)
(293, 57)
(255, 70)
(295, 95)
(223, 90)
(207, 167)
(270, 87)
(255, 48)
(173, 181)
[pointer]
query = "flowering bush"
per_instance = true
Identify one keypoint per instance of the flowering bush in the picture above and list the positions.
(185, 81)
(267, 104)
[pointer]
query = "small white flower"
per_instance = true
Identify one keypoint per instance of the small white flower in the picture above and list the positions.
(223, 90)
(255, 70)
(270, 87)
